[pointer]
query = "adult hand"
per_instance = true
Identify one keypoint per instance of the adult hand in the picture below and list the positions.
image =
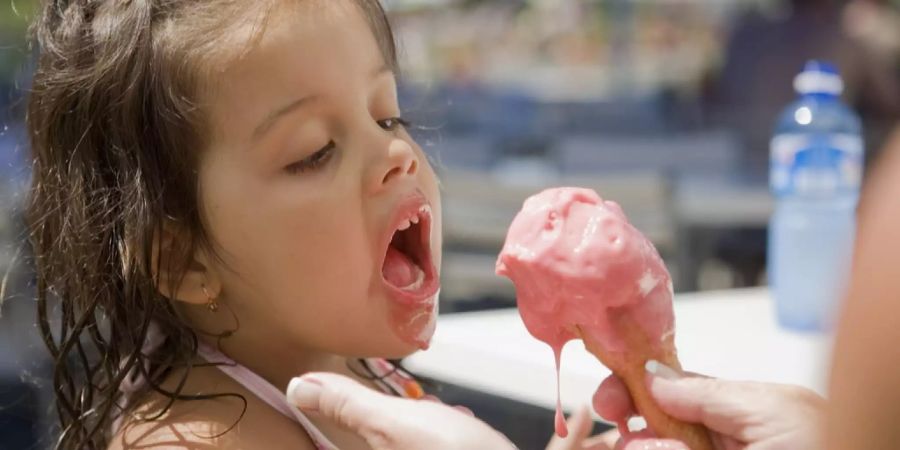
(394, 423)
(739, 415)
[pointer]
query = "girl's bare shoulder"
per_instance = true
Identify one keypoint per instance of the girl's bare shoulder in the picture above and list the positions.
(215, 423)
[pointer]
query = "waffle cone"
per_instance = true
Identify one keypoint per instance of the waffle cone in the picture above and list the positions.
(629, 366)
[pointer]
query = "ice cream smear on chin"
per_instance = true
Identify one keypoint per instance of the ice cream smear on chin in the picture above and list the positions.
(579, 266)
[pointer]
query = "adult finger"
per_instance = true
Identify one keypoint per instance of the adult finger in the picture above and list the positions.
(612, 400)
(346, 402)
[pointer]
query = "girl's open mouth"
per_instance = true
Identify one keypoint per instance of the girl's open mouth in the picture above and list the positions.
(408, 270)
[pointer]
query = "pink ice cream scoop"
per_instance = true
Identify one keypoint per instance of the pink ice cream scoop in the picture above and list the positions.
(574, 258)
(581, 270)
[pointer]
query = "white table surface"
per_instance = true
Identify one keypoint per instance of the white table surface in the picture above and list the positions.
(730, 334)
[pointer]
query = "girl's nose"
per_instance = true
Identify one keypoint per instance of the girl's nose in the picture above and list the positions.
(399, 163)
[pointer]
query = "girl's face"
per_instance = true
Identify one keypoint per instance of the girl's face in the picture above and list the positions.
(309, 177)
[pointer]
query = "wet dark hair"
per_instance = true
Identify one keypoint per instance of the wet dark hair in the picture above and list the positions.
(116, 125)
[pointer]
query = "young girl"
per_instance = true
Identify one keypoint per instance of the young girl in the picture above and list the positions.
(224, 198)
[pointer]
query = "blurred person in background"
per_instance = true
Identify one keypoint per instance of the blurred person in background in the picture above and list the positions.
(765, 52)
(875, 24)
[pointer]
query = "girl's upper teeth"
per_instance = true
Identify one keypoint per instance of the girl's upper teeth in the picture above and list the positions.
(423, 212)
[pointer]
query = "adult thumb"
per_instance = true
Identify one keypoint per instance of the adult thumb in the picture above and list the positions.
(720, 405)
(338, 398)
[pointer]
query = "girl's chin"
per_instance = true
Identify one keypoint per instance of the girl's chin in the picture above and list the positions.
(415, 328)
(388, 347)
(401, 352)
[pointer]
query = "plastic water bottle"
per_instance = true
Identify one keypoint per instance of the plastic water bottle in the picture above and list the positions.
(816, 165)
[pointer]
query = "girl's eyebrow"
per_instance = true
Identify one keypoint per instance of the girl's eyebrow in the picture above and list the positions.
(273, 117)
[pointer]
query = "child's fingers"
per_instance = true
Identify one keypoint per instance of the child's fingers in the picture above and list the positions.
(580, 425)
(603, 441)
(612, 400)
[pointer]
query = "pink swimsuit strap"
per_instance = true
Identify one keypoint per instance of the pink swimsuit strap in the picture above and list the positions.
(265, 391)
(389, 377)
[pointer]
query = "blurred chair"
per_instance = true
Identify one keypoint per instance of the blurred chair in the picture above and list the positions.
(466, 151)
(470, 108)
(607, 117)
(704, 154)
(478, 210)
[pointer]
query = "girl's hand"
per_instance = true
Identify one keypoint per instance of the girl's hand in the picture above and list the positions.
(386, 422)
(580, 426)
(740, 415)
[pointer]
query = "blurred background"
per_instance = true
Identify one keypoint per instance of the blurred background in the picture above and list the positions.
(665, 106)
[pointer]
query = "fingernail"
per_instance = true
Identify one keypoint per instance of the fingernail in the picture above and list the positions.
(658, 369)
(305, 392)
(636, 423)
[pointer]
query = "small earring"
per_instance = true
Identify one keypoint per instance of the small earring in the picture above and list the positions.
(211, 303)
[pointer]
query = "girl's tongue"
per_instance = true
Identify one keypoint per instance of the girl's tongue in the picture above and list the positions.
(400, 271)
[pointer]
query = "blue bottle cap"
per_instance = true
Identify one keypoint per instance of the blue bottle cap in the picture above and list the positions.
(819, 77)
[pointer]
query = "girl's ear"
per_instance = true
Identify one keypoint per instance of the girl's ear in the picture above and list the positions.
(195, 280)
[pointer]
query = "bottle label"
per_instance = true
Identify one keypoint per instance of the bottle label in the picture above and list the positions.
(815, 163)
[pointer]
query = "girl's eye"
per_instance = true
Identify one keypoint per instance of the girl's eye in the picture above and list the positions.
(312, 162)
(393, 123)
